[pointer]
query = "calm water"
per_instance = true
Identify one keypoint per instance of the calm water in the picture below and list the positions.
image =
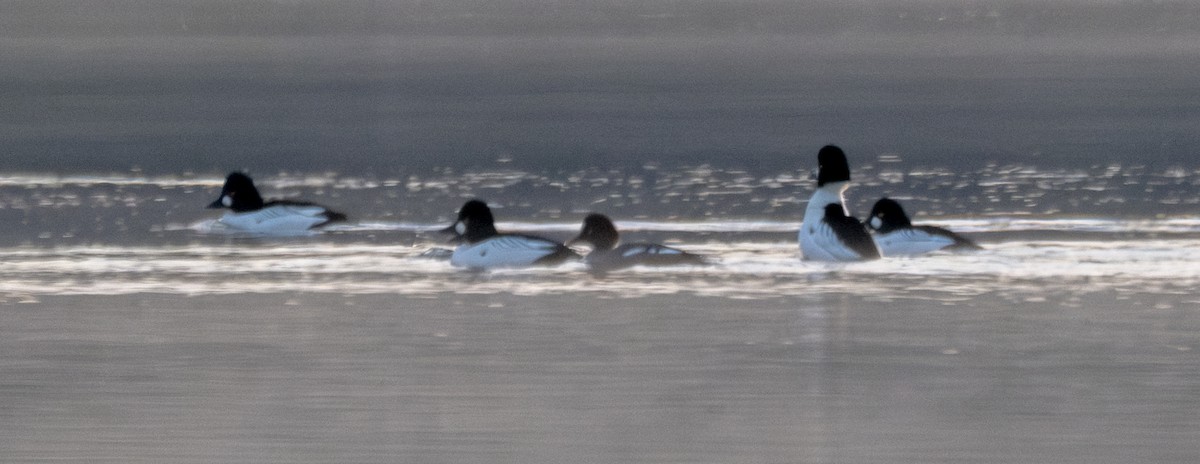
(135, 332)
(1059, 134)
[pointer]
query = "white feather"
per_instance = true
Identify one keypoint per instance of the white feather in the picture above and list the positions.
(502, 251)
(635, 251)
(279, 219)
(821, 243)
(910, 242)
(818, 242)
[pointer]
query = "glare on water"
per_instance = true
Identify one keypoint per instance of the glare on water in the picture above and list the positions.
(134, 332)
(1061, 135)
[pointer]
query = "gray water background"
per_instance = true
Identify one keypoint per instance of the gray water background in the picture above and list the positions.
(394, 87)
(658, 111)
(1004, 377)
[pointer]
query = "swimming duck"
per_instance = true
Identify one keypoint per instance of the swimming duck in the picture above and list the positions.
(249, 213)
(482, 247)
(895, 235)
(828, 232)
(599, 231)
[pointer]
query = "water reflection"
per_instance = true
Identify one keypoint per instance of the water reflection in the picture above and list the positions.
(759, 270)
(500, 376)
(130, 330)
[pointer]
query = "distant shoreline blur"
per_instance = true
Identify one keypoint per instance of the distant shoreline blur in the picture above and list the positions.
(378, 87)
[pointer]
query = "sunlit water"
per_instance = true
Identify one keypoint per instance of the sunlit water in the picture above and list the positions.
(135, 331)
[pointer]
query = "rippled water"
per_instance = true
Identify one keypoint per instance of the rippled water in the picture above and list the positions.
(135, 333)
(764, 269)
(1126, 226)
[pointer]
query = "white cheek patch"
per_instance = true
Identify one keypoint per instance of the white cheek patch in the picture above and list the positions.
(227, 200)
(460, 228)
(875, 222)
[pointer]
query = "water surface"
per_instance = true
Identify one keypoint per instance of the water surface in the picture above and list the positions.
(136, 332)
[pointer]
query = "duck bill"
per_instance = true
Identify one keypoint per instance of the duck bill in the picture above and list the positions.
(215, 205)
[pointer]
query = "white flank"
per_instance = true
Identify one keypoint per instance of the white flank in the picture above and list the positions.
(502, 251)
(910, 242)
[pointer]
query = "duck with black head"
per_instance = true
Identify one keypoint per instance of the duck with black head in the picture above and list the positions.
(482, 247)
(828, 232)
(895, 234)
(249, 213)
(609, 254)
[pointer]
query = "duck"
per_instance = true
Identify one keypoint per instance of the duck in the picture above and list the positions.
(828, 232)
(481, 247)
(895, 235)
(606, 255)
(249, 213)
